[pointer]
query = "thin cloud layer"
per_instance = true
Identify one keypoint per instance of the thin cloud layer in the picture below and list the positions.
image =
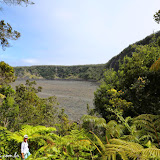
(30, 61)
(77, 32)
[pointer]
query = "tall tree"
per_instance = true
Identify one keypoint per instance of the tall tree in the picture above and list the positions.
(6, 34)
(6, 73)
(33, 109)
(6, 31)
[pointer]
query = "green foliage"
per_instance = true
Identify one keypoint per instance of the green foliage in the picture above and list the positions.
(127, 150)
(106, 100)
(4, 148)
(130, 150)
(6, 31)
(114, 62)
(98, 122)
(6, 73)
(38, 136)
(23, 106)
(134, 144)
(45, 144)
(139, 64)
(75, 146)
(8, 108)
(34, 133)
(103, 94)
(157, 17)
(9, 112)
(126, 139)
(134, 88)
(44, 110)
(116, 102)
(149, 125)
(84, 72)
(94, 124)
(63, 125)
(112, 129)
(6, 34)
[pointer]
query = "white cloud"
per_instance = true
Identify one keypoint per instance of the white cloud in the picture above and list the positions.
(30, 61)
(77, 32)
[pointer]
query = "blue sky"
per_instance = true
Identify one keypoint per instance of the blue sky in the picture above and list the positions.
(73, 32)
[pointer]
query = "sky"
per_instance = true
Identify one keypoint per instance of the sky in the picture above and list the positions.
(76, 32)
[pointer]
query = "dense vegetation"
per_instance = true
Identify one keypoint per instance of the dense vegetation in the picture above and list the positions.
(123, 125)
(134, 88)
(82, 72)
(114, 62)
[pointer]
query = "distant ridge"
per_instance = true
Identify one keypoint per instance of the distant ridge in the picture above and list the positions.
(50, 72)
(77, 72)
(114, 62)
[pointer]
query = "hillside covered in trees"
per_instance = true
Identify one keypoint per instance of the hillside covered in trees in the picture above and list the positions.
(79, 72)
(114, 62)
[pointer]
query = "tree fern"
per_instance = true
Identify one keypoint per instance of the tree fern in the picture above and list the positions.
(72, 146)
(98, 122)
(149, 125)
(34, 132)
(126, 150)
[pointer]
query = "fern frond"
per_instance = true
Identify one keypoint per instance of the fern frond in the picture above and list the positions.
(130, 138)
(132, 145)
(34, 132)
(98, 122)
(100, 143)
(151, 152)
(149, 125)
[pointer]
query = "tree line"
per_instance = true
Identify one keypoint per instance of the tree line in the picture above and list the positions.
(80, 72)
(50, 72)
